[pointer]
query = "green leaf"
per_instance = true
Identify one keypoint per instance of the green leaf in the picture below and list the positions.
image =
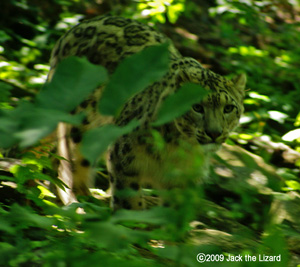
(27, 124)
(293, 185)
(28, 218)
(6, 227)
(4, 37)
(114, 237)
(43, 123)
(8, 126)
(179, 103)
(36, 123)
(7, 251)
(156, 215)
(134, 74)
(74, 79)
(4, 91)
(274, 243)
(96, 141)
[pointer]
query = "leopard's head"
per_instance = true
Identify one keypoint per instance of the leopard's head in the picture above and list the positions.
(210, 121)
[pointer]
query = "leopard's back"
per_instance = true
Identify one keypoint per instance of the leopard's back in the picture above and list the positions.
(106, 40)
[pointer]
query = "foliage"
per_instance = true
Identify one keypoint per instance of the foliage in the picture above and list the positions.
(125, 77)
(275, 49)
(258, 211)
(159, 9)
(29, 122)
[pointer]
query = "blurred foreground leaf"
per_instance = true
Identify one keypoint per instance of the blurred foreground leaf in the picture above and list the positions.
(74, 79)
(177, 104)
(134, 74)
(96, 141)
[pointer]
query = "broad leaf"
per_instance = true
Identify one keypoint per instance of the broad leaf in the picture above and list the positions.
(27, 124)
(39, 123)
(179, 103)
(134, 74)
(5, 91)
(96, 141)
(8, 125)
(74, 79)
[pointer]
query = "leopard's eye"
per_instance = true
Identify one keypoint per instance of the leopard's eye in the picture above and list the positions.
(228, 108)
(198, 108)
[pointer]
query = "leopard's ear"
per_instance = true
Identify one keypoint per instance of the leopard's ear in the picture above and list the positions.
(239, 82)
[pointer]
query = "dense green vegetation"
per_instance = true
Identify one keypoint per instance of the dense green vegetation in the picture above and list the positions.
(250, 207)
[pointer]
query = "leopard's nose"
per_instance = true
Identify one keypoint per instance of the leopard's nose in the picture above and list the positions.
(214, 134)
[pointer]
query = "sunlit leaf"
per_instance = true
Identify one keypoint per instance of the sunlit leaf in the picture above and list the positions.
(246, 136)
(291, 135)
(277, 116)
(248, 51)
(256, 95)
(297, 122)
(292, 185)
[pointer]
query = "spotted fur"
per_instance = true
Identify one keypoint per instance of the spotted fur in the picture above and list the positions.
(134, 161)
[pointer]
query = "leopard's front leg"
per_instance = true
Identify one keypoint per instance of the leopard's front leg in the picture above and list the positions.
(124, 177)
